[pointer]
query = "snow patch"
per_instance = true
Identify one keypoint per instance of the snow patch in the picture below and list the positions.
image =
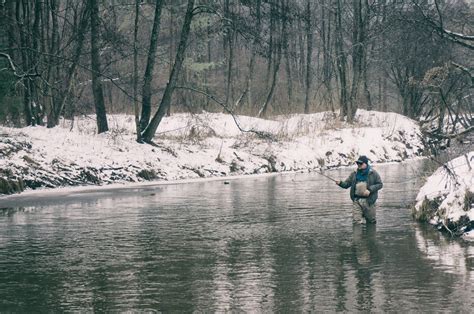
(449, 194)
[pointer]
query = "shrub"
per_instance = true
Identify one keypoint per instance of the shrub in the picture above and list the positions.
(147, 174)
(428, 209)
(468, 200)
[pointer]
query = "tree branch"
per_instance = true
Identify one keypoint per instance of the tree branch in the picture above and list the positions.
(261, 134)
(439, 15)
(438, 26)
(465, 70)
(459, 35)
(14, 69)
(452, 135)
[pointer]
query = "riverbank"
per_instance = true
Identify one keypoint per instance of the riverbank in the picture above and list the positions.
(447, 198)
(198, 146)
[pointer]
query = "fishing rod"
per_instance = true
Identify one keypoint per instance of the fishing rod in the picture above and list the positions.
(325, 176)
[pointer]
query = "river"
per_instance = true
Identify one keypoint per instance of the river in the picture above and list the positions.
(282, 243)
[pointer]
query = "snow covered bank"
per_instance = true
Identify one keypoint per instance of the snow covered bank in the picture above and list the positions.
(447, 198)
(193, 146)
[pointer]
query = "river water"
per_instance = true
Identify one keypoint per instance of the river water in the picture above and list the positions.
(260, 244)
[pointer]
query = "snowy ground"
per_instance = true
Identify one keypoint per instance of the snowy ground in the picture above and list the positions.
(202, 145)
(447, 198)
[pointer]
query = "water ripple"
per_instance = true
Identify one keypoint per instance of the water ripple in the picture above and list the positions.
(271, 244)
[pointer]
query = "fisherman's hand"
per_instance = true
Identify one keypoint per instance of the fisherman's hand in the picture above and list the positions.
(366, 193)
(338, 182)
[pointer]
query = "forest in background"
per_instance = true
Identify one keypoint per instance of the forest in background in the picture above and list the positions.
(64, 58)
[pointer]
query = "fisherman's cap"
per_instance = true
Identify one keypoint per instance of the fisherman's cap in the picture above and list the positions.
(362, 160)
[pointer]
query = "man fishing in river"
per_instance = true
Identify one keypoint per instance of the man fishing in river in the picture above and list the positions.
(364, 183)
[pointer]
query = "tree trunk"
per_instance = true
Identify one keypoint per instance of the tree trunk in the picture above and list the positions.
(53, 69)
(148, 76)
(301, 60)
(256, 40)
(136, 107)
(286, 25)
(365, 79)
(35, 53)
(3, 26)
(208, 60)
(326, 51)
(46, 90)
(383, 97)
(97, 90)
(150, 130)
(357, 57)
(271, 41)
(229, 45)
(10, 29)
(384, 94)
(21, 15)
(276, 67)
(340, 60)
(309, 53)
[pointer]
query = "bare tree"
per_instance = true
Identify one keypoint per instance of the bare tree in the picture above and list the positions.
(150, 130)
(276, 42)
(458, 38)
(97, 90)
(136, 107)
(253, 53)
(327, 67)
(449, 87)
(341, 60)
(358, 55)
(56, 107)
(148, 76)
(309, 54)
(229, 49)
(286, 48)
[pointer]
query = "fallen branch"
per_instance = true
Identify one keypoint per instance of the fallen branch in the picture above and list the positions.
(446, 227)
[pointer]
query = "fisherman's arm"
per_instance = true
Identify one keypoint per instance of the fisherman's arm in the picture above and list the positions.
(377, 183)
(346, 183)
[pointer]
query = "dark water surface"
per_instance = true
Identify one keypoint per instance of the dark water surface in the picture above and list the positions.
(279, 243)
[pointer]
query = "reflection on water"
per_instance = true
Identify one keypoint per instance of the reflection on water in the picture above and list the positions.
(281, 243)
(454, 257)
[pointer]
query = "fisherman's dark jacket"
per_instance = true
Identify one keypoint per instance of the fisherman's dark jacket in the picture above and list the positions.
(374, 183)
